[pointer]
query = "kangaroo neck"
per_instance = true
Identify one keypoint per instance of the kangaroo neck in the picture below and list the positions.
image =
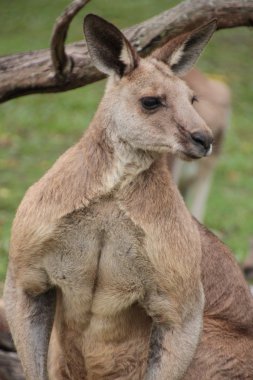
(116, 162)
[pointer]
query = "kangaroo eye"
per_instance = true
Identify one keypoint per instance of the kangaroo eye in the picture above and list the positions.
(194, 99)
(150, 102)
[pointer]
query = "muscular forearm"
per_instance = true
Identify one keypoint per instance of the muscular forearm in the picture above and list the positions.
(30, 319)
(172, 345)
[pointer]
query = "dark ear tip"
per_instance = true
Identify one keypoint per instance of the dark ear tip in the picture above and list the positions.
(212, 24)
(208, 28)
(88, 19)
(91, 19)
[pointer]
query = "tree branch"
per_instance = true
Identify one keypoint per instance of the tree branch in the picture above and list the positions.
(33, 72)
(61, 62)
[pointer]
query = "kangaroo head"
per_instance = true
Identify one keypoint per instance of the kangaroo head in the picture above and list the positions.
(150, 107)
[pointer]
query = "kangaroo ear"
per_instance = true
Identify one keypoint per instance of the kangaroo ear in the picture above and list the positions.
(182, 52)
(109, 49)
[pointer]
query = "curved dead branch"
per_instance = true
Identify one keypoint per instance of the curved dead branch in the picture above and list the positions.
(61, 61)
(33, 72)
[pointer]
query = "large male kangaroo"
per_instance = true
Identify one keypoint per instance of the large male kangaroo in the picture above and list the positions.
(104, 239)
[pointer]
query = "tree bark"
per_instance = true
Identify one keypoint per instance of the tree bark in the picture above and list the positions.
(33, 72)
(60, 59)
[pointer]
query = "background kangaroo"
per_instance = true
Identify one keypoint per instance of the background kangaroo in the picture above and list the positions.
(104, 237)
(194, 178)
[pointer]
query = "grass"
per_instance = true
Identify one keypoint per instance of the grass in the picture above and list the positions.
(35, 130)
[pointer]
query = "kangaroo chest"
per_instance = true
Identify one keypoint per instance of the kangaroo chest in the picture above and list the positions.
(118, 254)
(106, 257)
(97, 261)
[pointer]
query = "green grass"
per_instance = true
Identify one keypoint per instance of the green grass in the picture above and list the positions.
(35, 130)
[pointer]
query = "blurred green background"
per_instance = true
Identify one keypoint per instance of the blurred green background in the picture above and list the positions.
(35, 130)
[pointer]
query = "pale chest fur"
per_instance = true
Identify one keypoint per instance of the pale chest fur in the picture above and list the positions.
(96, 262)
(104, 258)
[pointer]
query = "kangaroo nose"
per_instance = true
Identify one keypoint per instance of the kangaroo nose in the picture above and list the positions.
(203, 139)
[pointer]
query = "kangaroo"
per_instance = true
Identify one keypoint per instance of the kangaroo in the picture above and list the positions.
(104, 239)
(226, 347)
(214, 106)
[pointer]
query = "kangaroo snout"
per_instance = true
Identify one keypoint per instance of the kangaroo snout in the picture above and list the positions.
(203, 141)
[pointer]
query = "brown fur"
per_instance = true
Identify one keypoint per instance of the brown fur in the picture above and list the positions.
(226, 347)
(103, 242)
(5, 337)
